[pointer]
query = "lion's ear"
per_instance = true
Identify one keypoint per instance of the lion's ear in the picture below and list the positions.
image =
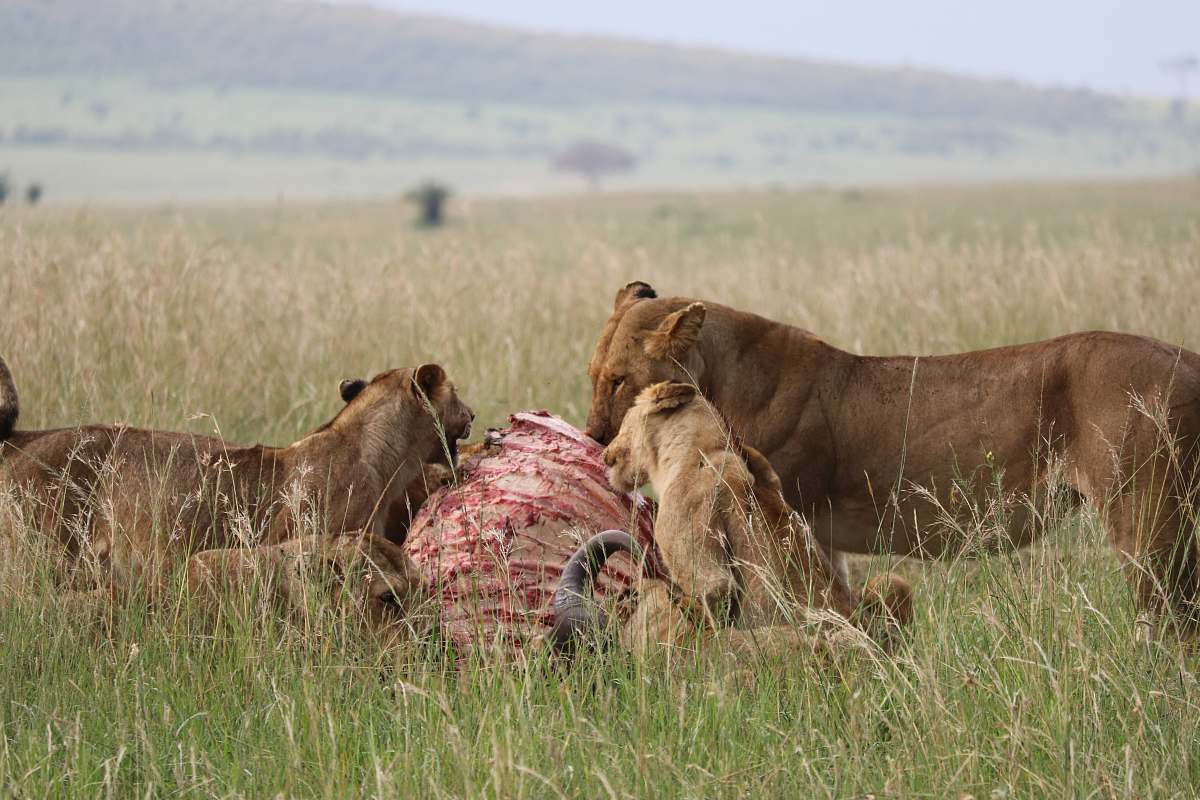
(351, 388)
(676, 334)
(760, 468)
(427, 379)
(668, 396)
(637, 290)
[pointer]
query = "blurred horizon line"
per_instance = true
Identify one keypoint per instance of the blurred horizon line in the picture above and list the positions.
(1168, 88)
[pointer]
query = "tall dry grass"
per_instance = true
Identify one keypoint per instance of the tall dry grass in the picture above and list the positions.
(1023, 676)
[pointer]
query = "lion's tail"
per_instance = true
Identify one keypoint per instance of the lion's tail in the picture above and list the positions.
(10, 406)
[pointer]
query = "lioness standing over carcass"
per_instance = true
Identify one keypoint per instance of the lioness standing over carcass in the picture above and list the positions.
(850, 435)
(734, 554)
(129, 501)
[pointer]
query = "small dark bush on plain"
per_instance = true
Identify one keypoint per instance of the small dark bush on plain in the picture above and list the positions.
(430, 198)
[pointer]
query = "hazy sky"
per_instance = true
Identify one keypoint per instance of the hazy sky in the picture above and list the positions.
(1114, 45)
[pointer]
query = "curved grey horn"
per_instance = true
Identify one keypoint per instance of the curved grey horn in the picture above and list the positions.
(575, 613)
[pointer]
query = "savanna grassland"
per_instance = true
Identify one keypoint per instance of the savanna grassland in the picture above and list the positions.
(1023, 675)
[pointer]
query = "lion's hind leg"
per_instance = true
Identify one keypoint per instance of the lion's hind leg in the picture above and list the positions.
(885, 609)
(820, 633)
(659, 625)
(1152, 524)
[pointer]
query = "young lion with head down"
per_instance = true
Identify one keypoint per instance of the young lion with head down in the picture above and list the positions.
(123, 504)
(735, 554)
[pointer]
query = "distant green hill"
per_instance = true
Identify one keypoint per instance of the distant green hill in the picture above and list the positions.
(317, 47)
(189, 99)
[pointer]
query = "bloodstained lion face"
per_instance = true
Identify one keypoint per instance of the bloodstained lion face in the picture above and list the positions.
(647, 340)
(387, 394)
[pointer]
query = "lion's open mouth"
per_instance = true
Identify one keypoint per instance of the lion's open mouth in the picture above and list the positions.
(452, 445)
(447, 450)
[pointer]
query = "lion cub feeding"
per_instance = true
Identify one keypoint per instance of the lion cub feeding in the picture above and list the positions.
(735, 553)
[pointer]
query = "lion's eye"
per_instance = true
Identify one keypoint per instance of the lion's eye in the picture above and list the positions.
(391, 602)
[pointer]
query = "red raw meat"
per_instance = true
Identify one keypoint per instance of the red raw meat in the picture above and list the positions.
(496, 543)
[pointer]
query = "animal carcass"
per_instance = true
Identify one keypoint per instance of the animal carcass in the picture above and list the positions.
(494, 545)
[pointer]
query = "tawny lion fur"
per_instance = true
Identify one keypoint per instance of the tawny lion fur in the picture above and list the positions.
(124, 504)
(1114, 416)
(735, 553)
(366, 579)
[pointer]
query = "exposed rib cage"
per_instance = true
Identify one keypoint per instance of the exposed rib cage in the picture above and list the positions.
(496, 543)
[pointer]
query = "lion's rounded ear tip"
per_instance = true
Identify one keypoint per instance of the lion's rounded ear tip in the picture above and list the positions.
(667, 395)
(350, 388)
(429, 376)
(641, 289)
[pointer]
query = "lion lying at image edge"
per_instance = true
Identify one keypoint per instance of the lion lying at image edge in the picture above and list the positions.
(123, 504)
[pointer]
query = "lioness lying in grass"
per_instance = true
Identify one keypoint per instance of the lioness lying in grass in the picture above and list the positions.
(365, 580)
(123, 504)
(739, 563)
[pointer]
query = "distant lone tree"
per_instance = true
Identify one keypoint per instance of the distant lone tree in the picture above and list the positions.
(594, 160)
(4, 187)
(430, 198)
(33, 193)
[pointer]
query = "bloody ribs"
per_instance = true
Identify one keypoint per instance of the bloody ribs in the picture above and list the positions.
(495, 544)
